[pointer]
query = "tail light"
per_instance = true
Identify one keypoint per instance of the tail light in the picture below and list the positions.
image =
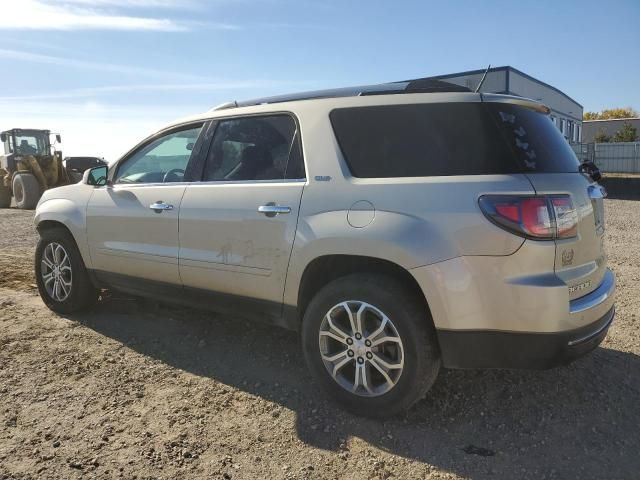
(541, 217)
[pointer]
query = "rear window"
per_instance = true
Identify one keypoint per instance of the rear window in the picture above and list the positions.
(441, 139)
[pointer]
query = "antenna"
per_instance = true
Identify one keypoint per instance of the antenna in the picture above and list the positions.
(482, 79)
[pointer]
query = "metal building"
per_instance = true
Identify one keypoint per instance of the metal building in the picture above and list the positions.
(566, 113)
(608, 127)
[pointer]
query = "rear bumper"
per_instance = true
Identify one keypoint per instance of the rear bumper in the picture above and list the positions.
(578, 329)
(496, 349)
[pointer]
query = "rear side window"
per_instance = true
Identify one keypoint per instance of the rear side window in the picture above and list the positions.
(255, 148)
(441, 139)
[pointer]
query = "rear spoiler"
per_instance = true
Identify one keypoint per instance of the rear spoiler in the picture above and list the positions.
(522, 101)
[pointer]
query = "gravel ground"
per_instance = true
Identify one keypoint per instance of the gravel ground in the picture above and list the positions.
(135, 390)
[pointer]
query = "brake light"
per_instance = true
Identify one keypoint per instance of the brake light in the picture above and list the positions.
(542, 217)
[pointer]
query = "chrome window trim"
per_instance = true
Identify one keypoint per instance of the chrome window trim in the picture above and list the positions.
(221, 182)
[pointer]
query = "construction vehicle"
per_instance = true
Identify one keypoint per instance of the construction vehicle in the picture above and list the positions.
(30, 165)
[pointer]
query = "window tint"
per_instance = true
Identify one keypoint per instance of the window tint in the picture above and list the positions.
(449, 139)
(163, 160)
(421, 140)
(255, 148)
(536, 143)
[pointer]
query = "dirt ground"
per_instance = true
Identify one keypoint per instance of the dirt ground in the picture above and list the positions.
(133, 390)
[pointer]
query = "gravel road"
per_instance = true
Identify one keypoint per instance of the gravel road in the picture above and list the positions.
(136, 390)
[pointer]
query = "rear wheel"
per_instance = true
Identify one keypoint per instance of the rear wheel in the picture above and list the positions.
(5, 195)
(371, 344)
(62, 278)
(26, 191)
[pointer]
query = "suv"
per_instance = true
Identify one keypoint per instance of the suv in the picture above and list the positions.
(398, 227)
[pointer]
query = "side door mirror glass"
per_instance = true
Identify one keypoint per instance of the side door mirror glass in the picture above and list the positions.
(96, 176)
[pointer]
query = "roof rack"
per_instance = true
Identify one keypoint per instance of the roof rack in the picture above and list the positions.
(419, 85)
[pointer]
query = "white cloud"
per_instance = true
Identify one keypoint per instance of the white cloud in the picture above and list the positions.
(176, 87)
(18, 55)
(91, 14)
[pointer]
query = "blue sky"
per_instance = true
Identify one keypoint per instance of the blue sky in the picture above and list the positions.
(105, 73)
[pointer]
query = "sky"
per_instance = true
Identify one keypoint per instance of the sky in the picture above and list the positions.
(107, 73)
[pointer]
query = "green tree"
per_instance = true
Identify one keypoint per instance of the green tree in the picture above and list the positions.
(601, 137)
(627, 133)
(610, 113)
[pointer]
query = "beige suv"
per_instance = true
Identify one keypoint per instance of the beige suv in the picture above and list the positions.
(398, 227)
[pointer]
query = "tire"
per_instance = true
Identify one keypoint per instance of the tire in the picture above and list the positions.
(73, 276)
(5, 195)
(26, 191)
(408, 319)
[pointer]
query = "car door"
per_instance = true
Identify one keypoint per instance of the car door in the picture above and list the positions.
(238, 224)
(132, 223)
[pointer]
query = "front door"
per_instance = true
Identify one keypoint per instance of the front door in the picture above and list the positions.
(238, 224)
(132, 224)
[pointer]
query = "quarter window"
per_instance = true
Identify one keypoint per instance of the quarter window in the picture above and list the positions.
(255, 148)
(163, 160)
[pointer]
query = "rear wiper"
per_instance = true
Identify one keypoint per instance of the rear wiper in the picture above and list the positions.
(590, 169)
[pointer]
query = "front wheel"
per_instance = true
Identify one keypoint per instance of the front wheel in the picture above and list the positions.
(63, 282)
(371, 344)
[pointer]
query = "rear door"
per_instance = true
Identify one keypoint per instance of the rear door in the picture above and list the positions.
(552, 167)
(132, 224)
(238, 224)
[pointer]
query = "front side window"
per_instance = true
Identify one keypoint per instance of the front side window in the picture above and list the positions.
(163, 160)
(255, 148)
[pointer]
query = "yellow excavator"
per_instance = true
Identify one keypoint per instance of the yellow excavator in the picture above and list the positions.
(30, 165)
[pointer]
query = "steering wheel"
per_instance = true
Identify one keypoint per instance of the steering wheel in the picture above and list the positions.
(174, 172)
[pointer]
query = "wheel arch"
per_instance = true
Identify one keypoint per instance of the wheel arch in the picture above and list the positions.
(61, 213)
(324, 269)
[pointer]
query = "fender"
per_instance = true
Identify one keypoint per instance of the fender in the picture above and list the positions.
(67, 205)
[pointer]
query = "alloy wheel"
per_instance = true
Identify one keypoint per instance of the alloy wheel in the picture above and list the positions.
(361, 348)
(56, 271)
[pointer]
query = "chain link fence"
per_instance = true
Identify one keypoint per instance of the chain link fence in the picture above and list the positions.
(622, 157)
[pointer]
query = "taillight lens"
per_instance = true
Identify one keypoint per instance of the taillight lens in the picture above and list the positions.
(566, 216)
(540, 217)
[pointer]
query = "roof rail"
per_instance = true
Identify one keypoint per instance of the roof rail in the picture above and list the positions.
(419, 85)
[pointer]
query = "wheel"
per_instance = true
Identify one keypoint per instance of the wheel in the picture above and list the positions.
(5, 195)
(26, 191)
(62, 278)
(371, 344)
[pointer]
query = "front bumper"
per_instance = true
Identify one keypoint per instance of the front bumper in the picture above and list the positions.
(491, 348)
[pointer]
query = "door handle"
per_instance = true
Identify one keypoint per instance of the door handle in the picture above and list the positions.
(159, 206)
(271, 209)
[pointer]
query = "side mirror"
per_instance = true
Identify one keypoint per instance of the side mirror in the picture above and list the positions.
(96, 176)
(58, 138)
(3, 137)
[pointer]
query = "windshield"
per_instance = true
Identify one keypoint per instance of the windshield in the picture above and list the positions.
(30, 143)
